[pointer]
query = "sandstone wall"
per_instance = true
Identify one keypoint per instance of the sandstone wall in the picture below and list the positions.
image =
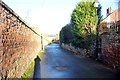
(111, 49)
(18, 43)
(77, 51)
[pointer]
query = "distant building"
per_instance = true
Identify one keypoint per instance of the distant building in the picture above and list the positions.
(111, 22)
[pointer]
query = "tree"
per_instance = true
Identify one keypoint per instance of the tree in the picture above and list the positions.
(100, 16)
(65, 34)
(83, 20)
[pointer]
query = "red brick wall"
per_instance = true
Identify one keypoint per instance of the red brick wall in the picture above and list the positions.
(18, 43)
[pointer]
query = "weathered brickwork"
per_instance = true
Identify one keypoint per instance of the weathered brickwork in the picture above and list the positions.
(111, 49)
(110, 36)
(18, 43)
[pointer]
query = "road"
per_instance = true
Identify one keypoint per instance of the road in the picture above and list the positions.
(59, 63)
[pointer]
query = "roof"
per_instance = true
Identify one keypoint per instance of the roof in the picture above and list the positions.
(117, 11)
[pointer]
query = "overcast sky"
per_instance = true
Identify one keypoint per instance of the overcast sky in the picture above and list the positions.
(50, 15)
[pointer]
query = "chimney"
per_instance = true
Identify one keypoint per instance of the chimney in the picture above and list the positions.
(109, 11)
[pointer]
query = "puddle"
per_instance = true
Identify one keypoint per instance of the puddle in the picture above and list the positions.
(61, 68)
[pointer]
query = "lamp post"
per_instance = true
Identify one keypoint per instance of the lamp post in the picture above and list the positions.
(42, 41)
(96, 3)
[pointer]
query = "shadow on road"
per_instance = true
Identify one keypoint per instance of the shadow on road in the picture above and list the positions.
(37, 68)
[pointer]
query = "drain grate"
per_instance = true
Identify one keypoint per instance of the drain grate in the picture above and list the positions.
(61, 68)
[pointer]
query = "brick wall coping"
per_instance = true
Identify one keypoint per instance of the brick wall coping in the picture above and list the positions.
(16, 15)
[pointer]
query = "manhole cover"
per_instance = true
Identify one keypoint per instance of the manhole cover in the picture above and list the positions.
(61, 68)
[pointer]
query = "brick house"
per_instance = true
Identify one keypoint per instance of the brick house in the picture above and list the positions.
(112, 21)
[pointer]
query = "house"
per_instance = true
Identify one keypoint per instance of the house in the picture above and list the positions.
(111, 22)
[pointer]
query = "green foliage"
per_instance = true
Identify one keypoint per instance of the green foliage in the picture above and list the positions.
(83, 24)
(83, 20)
(100, 16)
(29, 71)
(62, 39)
(65, 34)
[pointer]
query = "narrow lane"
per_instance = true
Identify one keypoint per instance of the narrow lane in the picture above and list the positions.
(59, 63)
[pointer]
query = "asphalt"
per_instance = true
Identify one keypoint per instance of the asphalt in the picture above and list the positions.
(59, 63)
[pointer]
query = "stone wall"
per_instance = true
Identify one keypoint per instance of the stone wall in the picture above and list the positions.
(77, 51)
(110, 36)
(111, 49)
(18, 43)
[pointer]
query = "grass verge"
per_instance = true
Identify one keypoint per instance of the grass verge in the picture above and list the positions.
(30, 70)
